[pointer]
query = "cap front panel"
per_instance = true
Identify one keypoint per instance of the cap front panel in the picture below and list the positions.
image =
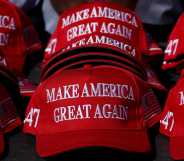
(171, 123)
(96, 97)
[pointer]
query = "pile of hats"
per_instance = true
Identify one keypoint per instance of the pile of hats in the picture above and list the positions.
(97, 83)
(94, 88)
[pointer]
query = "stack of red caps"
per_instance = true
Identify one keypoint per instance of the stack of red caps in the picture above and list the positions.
(173, 58)
(91, 106)
(98, 26)
(172, 119)
(91, 92)
(98, 33)
(18, 38)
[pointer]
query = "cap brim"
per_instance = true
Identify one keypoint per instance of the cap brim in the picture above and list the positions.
(155, 51)
(176, 65)
(47, 145)
(26, 92)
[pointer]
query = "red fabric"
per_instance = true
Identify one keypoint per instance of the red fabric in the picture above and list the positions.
(94, 114)
(101, 25)
(15, 39)
(176, 65)
(172, 119)
(3, 60)
(95, 62)
(176, 147)
(174, 50)
(10, 36)
(21, 40)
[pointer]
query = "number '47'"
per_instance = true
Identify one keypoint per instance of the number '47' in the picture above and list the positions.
(172, 47)
(32, 117)
(168, 121)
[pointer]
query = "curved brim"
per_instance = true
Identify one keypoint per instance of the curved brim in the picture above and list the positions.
(174, 65)
(52, 144)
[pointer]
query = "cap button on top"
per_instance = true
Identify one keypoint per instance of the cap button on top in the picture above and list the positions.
(87, 66)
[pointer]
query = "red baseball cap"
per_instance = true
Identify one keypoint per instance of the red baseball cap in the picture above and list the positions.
(101, 25)
(91, 106)
(172, 119)
(173, 65)
(174, 50)
(17, 36)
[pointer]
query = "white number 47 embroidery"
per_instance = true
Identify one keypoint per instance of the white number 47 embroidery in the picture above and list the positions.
(168, 121)
(32, 117)
(51, 47)
(172, 47)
